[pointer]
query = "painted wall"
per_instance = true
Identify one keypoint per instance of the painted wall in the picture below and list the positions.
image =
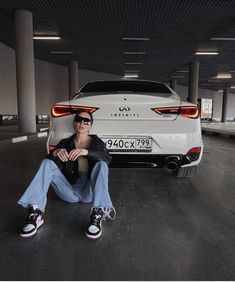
(51, 84)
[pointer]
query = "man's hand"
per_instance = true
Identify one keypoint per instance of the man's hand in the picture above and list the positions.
(75, 153)
(63, 155)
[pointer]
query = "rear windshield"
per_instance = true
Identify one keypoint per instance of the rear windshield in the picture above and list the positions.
(125, 86)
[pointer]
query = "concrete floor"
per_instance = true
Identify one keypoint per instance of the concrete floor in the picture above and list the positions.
(166, 228)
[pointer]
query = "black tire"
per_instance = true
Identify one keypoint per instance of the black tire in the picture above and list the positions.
(189, 171)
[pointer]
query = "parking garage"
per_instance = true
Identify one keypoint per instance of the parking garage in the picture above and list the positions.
(166, 227)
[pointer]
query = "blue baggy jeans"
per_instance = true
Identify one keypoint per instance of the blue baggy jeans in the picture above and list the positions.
(93, 190)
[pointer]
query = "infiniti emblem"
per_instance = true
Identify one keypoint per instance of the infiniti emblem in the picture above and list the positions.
(127, 109)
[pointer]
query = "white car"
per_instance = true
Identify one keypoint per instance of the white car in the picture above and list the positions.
(143, 123)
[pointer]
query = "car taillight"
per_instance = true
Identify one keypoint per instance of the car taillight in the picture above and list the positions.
(194, 153)
(64, 110)
(52, 148)
(185, 111)
(189, 112)
(166, 110)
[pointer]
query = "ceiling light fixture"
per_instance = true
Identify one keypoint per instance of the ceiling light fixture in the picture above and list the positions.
(134, 53)
(232, 87)
(177, 76)
(46, 37)
(206, 53)
(223, 75)
(213, 80)
(132, 71)
(129, 75)
(183, 71)
(136, 38)
(223, 38)
(133, 63)
(61, 52)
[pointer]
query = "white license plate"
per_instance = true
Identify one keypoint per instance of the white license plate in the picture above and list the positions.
(128, 144)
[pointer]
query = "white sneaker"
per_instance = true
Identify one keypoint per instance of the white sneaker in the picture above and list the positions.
(33, 222)
(94, 229)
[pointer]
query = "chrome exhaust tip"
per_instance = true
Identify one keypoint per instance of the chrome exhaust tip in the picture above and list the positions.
(173, 163)
(172, 166)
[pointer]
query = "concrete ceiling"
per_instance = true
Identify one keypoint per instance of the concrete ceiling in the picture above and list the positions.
(93, 30)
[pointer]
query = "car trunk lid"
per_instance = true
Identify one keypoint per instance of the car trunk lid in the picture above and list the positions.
(127, 106)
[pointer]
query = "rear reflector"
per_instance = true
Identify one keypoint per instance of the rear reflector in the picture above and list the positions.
(64, 110)
(194, 154)
(185, 111)
(52, 148)
(194, 150)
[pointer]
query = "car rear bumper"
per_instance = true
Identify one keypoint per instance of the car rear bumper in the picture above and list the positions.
(169, 161)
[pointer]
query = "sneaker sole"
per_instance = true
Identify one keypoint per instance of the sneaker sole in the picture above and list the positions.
(32, 233)
(94, 236)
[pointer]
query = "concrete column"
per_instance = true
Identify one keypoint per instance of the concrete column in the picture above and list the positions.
(173, 84)
(73, 77)
(193, 82)
(25, 71)
(225, 105)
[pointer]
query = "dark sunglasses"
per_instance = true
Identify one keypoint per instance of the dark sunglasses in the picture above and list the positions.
(82, 120)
